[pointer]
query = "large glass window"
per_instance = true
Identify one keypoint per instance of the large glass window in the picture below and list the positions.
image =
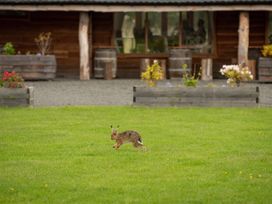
(155, 32)
(196, 30)
(156, 37)
(270, 28)
(173, 29)
(129, 32)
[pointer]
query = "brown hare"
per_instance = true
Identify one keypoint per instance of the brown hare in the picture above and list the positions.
(126, 137)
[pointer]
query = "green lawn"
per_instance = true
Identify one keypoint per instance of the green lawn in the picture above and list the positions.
(194, 155)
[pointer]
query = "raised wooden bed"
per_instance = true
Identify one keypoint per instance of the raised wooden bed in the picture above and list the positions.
(199, 96)
(16, 96)
(265, 69)
(30, 67)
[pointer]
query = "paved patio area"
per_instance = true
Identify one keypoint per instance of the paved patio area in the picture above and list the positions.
(110, 92)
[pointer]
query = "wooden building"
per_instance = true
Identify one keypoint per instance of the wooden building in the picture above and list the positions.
(226, 31)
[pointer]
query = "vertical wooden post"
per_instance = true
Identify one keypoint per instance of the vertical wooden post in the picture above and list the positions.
(164, 27)
(91, 44)
(206, 66)
(180, 29)
(84, 46)
(30, 91)
(146, 32)
(163, 66)
(243, 38)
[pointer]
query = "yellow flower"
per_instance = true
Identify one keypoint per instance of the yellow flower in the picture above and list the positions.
(152, 74)
(267, 50)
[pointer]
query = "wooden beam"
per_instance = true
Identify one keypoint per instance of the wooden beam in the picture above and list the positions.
(180, 29)
(146, 32)
(91, 43)
(137, 8)
(84, 46)
(243, 38)
(267, 28)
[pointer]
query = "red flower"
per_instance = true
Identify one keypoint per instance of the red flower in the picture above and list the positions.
(12, 80)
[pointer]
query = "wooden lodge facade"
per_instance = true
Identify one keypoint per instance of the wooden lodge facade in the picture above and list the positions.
(225, 31)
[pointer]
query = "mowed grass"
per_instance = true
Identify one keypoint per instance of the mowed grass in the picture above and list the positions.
(194, 155)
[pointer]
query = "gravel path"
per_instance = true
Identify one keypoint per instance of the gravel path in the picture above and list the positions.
(108, 92)
(75, 92)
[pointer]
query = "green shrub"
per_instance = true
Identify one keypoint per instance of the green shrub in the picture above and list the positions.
(188, 78)
(8, 49)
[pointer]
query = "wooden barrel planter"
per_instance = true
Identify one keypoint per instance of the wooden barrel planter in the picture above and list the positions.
(105, 57)
(265, 69)
(17, 96)
(177, 58)
(199, 96)
(30, 67)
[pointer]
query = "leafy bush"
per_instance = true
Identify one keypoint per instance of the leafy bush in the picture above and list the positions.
(8, 49)
(152, 74)
(43, 42)
(236, 74)
(267, 50)
(11, 80)
(189, 79)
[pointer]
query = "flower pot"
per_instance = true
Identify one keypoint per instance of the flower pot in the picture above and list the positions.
(265, 69)
(16, 96)
(196, 96)
(30, 67)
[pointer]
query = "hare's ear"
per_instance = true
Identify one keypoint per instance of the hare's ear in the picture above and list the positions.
(117, 126)
(111, 126)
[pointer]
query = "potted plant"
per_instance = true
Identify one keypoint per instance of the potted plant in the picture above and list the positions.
(30, 67)
(13, 91)
(265, 63)
(236, 74)
(190, 80)
(208, 95)
(152, 74)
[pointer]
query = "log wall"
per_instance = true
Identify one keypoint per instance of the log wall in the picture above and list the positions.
(21, 31)
(226, 28)
(102, 27)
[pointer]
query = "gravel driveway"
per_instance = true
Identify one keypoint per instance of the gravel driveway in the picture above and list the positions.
(75, 92)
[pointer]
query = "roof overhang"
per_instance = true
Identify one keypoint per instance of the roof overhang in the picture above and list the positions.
(135, 8)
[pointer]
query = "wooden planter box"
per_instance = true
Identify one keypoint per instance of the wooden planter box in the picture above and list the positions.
(30, 67)
(265, 69)
(17, 96)
(199, 96)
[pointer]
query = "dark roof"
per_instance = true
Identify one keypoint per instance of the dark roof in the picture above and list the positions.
(135, 2)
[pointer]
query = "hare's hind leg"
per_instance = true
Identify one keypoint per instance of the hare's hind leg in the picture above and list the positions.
(137, 144)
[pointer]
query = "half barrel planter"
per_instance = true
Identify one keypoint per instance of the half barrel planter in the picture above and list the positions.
(177, 58)
(105, 63)
(17, 96)
(265, 69)
(30, 67)
(199, 96)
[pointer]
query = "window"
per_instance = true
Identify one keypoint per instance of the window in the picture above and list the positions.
(270, 28)
(155, 32)
(196, 31)
(173, 29)
(129, 32)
